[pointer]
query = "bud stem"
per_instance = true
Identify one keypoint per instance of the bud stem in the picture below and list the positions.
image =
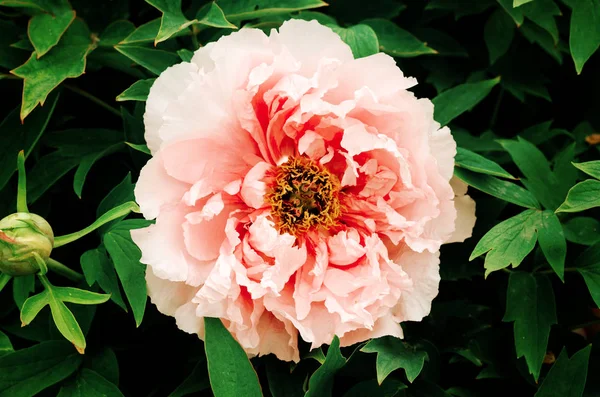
(110, 215)
(63, 270)
(22, 184)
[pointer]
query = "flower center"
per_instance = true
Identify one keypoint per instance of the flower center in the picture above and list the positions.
(303, 197)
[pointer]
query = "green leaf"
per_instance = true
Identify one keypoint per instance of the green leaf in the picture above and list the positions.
(535, 34)
(22, 287)
(108, 216)
(517, 3)
(584, 37)
(361, 39)
(4, 279)
(79, 142)
(46, 28)
(185, 55)
(212, 15)
(539, 178)
(33, 306)
(552, 242)
(498, 34)
(583, 196)
(515, 13)
(145, 33)
(89, 384)
(195, 382)
(501, 189)
(582, 230)
(46, 171)
(284, 380)
(393, 353)
(140, 148)
(86, 164)
(105, 364)
(542, 13)
(65, 60)
(316, 354)
(455, 101)
(29, 371)
(98, 269)
(530, 304)
(120, 194)
(156, 61)
(567, 376)
(461, 8)
(5, 345)
(320, 383)
(63, 318)
(11, 55)
(126, 258)
(588, 265)
(79, 296)
(509, 242)
(238, 10)
(17, 136)
(371, 388)
(225, 356)
(563, 169)
(137, 92)
(441, 42)
(395, 41)
(115, 33)
(172, 20)
(477, 163)
(592, 168)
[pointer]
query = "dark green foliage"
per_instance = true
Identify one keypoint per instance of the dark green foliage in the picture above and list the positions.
(516, 81)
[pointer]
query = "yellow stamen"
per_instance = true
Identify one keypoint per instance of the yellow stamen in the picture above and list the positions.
(304, 196)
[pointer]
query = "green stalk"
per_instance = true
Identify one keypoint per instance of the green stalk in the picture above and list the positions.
(22, 184)
(63, 270)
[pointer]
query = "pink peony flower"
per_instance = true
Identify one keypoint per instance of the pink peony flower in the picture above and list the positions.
(296, 190)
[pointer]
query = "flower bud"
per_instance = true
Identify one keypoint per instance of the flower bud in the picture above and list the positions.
(21, 235)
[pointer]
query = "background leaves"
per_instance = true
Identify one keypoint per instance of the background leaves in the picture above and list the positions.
(516, 83)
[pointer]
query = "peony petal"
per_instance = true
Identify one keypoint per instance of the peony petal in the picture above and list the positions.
(423, 269)
(465, 219)
(167, 87)
(299, 38)
(254, 188)
(168, 296)
(156, 188)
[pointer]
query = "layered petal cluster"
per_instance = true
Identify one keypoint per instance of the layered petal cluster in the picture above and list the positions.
(226, 131)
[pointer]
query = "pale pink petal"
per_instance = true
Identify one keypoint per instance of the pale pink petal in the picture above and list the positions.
(156, 188)
(465, 219)
(254, 187)
(345, 247)
(168, 296)
(167, 87)
(299, 38)
(423, 269)
(384, 326)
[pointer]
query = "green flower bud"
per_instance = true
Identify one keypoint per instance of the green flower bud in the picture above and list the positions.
(22, 235)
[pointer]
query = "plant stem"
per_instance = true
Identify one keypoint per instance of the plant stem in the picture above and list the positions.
(21, 184)
(195, 38)
(110, 215)
(94, 99)
(63, 270)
